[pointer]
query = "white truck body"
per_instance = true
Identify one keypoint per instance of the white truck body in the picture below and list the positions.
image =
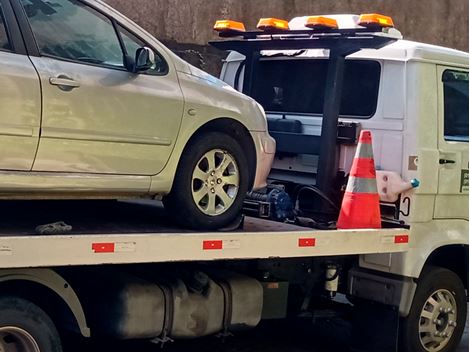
(407, 128)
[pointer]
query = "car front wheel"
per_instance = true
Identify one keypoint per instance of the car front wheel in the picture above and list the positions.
(210, 184)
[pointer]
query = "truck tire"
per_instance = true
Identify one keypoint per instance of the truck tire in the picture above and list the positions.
(210, 184)
(26, 327)
(438, 313)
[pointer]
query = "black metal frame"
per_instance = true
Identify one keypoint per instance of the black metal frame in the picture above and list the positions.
(341, 43)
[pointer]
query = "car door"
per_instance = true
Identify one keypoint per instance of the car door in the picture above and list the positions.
(452, 194)
(97, 116)
(20, 98)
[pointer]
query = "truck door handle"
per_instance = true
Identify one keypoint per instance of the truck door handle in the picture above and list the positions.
(446, 161)
(64, 83)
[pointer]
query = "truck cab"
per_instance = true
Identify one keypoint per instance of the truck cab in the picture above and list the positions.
(413, 97)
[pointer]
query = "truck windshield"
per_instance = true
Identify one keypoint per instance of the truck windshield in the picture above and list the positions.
(298, 86)
(455, 105)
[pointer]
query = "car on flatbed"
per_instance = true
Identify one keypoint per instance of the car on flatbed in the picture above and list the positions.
(121, 273)
(92, 106)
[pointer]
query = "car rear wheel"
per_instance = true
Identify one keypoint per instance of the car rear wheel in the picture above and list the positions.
(210, 184)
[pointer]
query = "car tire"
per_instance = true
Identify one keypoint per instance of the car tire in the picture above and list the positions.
(26, 327)
(210, 184)
(438, 290)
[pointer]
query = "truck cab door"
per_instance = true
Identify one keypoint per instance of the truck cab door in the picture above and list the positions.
(452, 195)
(20, 98)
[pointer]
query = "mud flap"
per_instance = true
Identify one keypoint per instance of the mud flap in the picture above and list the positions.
(375, 327)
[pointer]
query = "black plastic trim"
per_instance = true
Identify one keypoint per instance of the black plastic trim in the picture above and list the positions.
(385, 288)
(13, 31)
(23, 23)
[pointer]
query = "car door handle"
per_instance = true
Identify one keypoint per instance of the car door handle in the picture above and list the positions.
(446, 161)
(63, 82)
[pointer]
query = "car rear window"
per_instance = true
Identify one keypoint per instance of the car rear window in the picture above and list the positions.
(298, 86)
(455, 105)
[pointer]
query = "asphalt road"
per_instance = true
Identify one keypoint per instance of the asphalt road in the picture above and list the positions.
(330, 336)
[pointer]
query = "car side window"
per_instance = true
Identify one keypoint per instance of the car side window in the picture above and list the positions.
(71, 30)
(4, 42)
(132, 43)
(455, 105)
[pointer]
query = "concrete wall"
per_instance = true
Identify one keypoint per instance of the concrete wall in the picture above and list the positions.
(186, 25)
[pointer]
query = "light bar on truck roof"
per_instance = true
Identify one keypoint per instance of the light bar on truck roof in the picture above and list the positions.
(229, 26)
(269, 24)
(321, 22)
(375, 20)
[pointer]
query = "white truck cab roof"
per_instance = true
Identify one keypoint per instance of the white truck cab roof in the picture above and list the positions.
(401, 50)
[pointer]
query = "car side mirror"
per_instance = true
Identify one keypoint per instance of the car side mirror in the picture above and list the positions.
(144, 60)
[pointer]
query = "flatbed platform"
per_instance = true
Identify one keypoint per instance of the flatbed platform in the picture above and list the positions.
(111, 232)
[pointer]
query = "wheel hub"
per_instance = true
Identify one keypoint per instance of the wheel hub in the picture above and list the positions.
(215, 182)
(14, 339)
(438, 320)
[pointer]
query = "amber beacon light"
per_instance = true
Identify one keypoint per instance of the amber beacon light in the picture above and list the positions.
(270, 24)
(321, 22)
(375, 20)
(229, 26)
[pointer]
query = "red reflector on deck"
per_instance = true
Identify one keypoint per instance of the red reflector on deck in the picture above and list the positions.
(306, 242)
(401, 239)
(103, 247)
(208, 245)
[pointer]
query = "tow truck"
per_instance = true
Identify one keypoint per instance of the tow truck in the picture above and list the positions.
(117, 273)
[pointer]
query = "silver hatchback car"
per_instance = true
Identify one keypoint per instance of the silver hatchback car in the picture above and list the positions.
(92, 106)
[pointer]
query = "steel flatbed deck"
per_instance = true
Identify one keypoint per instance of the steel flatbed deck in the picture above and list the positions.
(106, 232)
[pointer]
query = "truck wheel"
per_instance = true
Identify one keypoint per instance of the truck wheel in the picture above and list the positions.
(210, 183)
(24, 327)
(438, 314)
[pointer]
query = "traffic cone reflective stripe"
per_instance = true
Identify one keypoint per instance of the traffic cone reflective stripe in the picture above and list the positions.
(362, 185)
(361, 208)
(365, 152)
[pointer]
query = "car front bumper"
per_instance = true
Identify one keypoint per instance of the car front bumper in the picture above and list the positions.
(265, 150)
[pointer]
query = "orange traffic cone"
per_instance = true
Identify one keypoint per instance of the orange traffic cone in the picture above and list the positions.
(361, 208)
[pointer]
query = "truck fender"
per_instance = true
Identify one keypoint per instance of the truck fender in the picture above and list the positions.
(54, 282)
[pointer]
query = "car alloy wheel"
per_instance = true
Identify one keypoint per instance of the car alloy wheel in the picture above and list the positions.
(215, 182)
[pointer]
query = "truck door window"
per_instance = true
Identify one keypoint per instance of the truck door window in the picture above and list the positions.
(4, 42)
(70, 30)
(455, 105)
(298, 86)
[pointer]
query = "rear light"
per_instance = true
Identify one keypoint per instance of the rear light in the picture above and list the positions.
(320, 22)
(375, 20)
(227, 26)
(269, 24)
